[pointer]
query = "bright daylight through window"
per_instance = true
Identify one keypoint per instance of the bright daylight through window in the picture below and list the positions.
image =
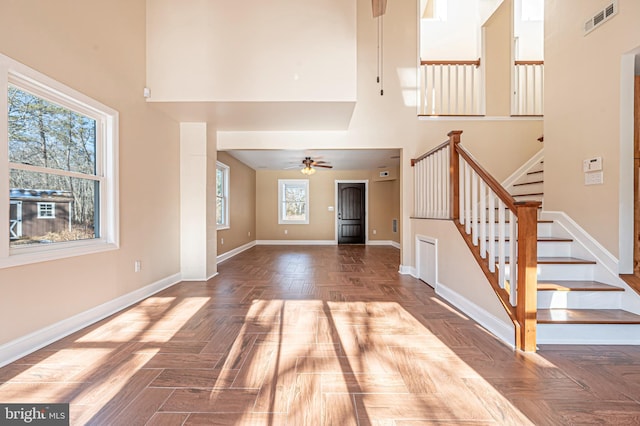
(293, 201)
(60, 169)
(222, 195)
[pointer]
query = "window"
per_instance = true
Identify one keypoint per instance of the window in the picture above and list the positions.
(293, 201)
(222, 195)
(46, 210)
(435, 10)
(60, 146)
(532, 10)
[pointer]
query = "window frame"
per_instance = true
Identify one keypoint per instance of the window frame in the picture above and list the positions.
(226, 222)
(51, 208)
(107, 228)
(282, 183)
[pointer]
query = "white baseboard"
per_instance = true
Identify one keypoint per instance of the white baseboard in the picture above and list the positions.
(588, 334)
(383, 243)
(235, 251)
(522, 170)
(597, 250)
(296, 242)
(500, 329)
(24, 345)
(408, 270)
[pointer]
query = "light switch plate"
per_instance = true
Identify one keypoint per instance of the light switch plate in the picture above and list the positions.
(593, 178)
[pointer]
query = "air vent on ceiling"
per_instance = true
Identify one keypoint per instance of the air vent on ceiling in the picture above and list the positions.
(601, 17)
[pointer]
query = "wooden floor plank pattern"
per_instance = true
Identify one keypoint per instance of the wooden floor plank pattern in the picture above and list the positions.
(317, 336)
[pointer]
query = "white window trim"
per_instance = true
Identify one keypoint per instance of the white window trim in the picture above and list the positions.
(281, 185)
(226, 196)
(106, 118)
(53, 210)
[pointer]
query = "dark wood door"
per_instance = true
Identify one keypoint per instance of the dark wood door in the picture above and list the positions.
(351, 213)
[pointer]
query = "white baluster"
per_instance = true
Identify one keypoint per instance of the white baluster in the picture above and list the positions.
(461, 190)
(501, 243)
(474, 207)
(492, 231)
(513, 258)
(447, 183)
(467, 198)
(483, 219)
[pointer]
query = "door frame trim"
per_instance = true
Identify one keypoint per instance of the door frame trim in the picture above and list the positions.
(366, 207)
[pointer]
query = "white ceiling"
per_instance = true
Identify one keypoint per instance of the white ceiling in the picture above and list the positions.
(360, 159)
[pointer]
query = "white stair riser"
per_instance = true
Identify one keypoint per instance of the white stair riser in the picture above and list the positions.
(567, 272)
(591, 334)
(544, 230)
(547, 248)
(528, 189)
(579, 299)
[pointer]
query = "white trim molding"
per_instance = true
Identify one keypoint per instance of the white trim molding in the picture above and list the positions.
(522, 170)
(408, 270)
(24, 345)
(500, 329)
(235, 251)
(296, 242)
(383, 243)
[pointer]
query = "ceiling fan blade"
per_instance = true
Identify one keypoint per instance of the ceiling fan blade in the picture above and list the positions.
(321, 165)
(318, 162)
(379, 7)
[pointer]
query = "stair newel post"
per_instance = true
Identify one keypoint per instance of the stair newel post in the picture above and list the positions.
(454, 174)
(526, 309)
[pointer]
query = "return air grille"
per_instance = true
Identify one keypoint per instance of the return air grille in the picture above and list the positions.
(601, 17)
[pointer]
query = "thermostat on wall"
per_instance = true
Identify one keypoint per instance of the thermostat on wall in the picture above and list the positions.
(384, 174)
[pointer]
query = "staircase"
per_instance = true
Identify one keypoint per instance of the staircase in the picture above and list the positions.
(579, 301)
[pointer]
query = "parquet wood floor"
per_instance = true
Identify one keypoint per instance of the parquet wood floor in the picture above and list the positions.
(317, 336)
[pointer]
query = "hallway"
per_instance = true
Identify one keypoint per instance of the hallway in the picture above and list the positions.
(317, 335)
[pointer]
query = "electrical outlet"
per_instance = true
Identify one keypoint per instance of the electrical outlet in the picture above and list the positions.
(137, 266)
(221, 241)
(249, 234)
(375, 232)
(286, 232)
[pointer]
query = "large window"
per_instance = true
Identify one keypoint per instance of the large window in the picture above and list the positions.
(59, 164)
(293, 201)
(222, 195)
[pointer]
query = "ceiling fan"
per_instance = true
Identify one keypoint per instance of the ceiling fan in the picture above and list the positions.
(309, 165)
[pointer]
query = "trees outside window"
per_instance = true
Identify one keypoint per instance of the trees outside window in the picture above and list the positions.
(59, 163)
(293, 201)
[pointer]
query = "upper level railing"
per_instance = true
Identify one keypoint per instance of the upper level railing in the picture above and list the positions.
(451, 88)
(501, 232)
(528, 90)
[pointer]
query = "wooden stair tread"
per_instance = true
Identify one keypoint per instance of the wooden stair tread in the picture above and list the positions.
(632, 280)
(528, 183)
(587, 316)
(575, 286)
(560, 261)
(527, 195)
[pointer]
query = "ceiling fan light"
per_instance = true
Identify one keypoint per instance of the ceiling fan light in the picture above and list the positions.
(308, 171)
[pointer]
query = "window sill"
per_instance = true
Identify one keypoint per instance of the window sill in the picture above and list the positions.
(21, 257)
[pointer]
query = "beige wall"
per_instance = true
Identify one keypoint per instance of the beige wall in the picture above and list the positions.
(584, 112)
(497, 60)
(384, 206)
(390, 121)
(322, 194)
(97, 48)
(242, 205)
(245, 50)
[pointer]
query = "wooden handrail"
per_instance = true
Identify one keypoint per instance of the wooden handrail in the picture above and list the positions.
(433, 151)
(451, 62)
(524, 314)
(528, 62)
(502, 193)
